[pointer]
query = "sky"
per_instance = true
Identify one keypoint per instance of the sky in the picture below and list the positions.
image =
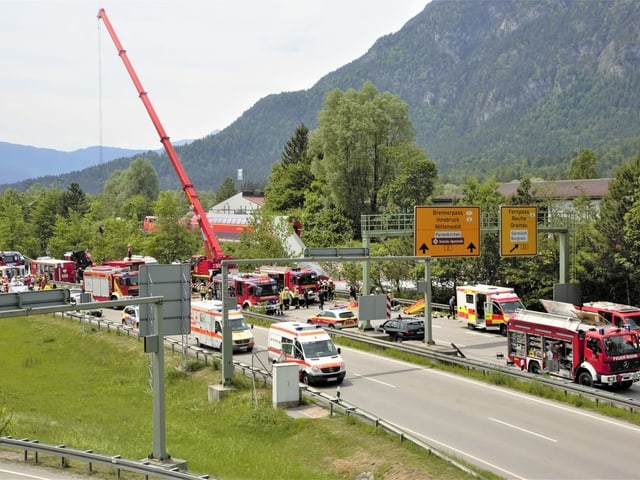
(203, 63)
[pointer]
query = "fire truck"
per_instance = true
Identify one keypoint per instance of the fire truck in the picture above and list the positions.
(616, 313)
(203, 267)
(110, 283)
(250, 291)
(573, 344)
(55, 270)
(11, 258)
(487, 306)
(295, 279)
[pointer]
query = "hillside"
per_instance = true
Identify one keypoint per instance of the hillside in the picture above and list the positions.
(508, 86)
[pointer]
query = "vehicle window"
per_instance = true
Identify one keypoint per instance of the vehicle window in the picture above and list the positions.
(346, 315)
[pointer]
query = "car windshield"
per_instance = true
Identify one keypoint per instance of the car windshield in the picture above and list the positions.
(346, 315)
(267, 290)
(633, 322)
(238, 324)
(306, 278)
(620, 345)
(511, 307)
(321, 348)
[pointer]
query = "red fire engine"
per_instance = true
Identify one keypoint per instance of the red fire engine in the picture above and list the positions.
(11, 259)
(55, 270)
(578, 345)
(619, 315)
(295, 279)
(202, 266)
(250, 291)
(110, 283)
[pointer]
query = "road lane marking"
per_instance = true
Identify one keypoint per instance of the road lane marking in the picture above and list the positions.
(510, 425)
(374, 380)
(462, 453)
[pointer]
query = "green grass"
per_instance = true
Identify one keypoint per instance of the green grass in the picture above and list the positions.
(91, 391)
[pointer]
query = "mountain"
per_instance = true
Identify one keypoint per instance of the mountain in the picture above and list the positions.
(494, 87)
(22, 162)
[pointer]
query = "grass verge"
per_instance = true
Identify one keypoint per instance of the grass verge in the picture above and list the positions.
(89, 389)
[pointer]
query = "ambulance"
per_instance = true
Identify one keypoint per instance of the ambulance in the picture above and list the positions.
(311, 347)
(486, 306)
(206, 326)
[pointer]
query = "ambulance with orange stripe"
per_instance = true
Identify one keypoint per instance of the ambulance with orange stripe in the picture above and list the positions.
(311, 347)
(206, 326)
(486, 306)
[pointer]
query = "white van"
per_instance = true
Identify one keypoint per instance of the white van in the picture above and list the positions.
(310, 347)
(206, 326)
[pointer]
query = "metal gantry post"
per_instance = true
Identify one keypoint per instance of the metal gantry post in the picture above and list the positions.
(159, 427)
(227, 342)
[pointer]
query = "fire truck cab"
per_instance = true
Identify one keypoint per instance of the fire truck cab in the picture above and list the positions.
(487, 306)
(616, 313)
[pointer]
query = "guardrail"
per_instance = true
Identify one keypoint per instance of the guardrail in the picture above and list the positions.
(144, 467)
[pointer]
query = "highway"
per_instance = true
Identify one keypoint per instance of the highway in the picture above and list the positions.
(515, 435)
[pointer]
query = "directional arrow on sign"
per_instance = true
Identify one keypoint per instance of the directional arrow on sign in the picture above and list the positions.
(471, 247)
(515, 247)
(423, 248)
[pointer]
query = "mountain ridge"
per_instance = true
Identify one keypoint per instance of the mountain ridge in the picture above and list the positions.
(494, 87)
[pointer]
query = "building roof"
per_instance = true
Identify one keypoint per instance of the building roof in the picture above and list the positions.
(594, 189)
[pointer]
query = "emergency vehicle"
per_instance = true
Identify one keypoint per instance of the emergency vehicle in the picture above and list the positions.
(573, 344)
(311, 347)
(11, 258)
(487, 306)
(616, 313)
(106, 283)
(296, 279)
(55, 270)
(206, 326)
(250, 291)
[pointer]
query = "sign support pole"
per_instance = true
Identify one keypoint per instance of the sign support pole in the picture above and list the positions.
(428, 333)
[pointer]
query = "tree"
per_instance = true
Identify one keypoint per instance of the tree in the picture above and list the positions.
(359, 147)
(227, 190)
(139, 178)
(173, 241)
(414, 184)
(615, 266)
(14, 229)
(264, 238)
(583, 166)
(292, 177)
(75, 200)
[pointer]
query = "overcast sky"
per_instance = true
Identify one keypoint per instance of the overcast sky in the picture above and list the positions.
(202, 62)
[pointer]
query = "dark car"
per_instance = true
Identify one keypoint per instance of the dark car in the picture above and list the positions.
(400, 329)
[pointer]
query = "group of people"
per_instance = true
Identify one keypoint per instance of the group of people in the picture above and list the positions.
(292, 299)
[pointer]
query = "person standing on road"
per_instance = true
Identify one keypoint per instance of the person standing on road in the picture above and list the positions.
(306, 298)
(452, 307)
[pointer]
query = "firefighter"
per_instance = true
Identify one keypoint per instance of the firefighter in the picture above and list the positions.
(203, 291)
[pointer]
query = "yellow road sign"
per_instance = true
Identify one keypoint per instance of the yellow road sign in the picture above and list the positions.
(447, 231)
(518, 230)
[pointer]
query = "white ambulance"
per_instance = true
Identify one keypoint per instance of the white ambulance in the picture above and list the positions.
(311, 347)
(206, 326)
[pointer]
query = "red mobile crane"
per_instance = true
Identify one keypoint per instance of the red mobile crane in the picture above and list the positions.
(202, 266)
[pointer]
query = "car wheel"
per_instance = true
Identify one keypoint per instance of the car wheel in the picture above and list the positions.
(305, 379)
(585, 379)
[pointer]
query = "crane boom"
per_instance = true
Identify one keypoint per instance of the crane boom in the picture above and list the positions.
(211, 244)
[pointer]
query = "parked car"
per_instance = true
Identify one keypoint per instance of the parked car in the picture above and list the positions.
(76, 296)
(131, 316)
(335, 318)
(400, 329)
